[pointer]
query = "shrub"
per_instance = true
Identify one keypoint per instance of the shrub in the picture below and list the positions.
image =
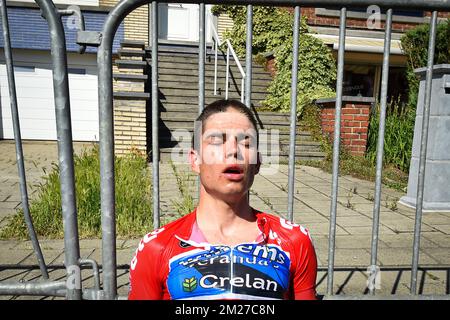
(133, 201)
(272, 32)
(414, 43)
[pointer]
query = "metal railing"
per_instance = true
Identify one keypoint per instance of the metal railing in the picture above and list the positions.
(229, 49)
(104, 41)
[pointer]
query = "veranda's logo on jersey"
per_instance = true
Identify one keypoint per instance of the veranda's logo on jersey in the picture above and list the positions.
(212, 281)
(190, 284)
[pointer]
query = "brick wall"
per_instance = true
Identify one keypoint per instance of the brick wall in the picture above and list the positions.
(136, 25)
(355, 115)
(357, 23)
(130, 124)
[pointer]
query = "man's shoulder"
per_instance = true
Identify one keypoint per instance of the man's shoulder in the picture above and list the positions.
(160, 237)
(287, 230)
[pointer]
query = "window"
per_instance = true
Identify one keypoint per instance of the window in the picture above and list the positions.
(359, 80)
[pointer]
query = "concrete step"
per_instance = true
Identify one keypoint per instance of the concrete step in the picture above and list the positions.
(301, 140)
(236, 75)
(131, 52)
(188, 126)
(166, 47)
(132, 44)
(208, 67)
(131, 95)
(186, 93)
(130, 64)
(191, 102)
(209, 79)
(179, 115)
(130, 77)
(221, 61)
(209, 98)
(166, 155)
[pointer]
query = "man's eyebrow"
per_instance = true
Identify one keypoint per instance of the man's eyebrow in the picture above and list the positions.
(214, 133)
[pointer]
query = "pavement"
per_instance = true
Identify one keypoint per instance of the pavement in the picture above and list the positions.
(312, 198)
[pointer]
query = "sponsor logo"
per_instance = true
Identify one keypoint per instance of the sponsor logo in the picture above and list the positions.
(252, 254)
(184, 244)
(189, 284)
(213, 281)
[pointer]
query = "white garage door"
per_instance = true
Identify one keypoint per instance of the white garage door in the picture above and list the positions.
(34, 85)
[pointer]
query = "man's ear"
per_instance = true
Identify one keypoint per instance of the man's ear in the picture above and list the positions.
(258, 163)
(194, 161)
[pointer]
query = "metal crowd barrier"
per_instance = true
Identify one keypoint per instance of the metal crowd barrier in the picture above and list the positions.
(104, 40)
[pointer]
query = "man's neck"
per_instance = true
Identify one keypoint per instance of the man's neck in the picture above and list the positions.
(223, 216)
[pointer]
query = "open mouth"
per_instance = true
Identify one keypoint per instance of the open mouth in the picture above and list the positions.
(234, 172)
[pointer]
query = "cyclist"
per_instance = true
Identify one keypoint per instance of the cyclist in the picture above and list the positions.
(225, 249)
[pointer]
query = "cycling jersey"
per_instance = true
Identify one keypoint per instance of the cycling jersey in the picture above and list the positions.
(176, 262)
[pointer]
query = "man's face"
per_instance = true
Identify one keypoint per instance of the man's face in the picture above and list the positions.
(228, 159)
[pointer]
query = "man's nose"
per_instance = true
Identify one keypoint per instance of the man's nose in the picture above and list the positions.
(231, 147)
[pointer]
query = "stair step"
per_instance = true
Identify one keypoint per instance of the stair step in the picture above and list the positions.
(183, 49)
(208, 67)
(192, 90)
(131, 95)
(190, 102)
(130, 77)
(132, 44)
(188, 126)
(236, 75)
(191, 112)
(192, 82)
(210, 60)
(186, 137)
(189, 93)
(130, 64)
(191, 116)
(131, 53)
(166, 155)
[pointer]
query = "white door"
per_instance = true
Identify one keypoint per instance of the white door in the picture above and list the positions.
(179, 22)
(34, 86)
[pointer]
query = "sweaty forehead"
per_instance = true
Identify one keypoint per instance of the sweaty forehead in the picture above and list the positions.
(229, 120)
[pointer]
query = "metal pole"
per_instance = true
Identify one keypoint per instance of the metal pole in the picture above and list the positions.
(65, 147)
(294, 80)
(248, 58)
(201, 59)
(215, 66)
(18, 140)
(105, 94)
(423, 153)
(227, 72)
(155, 117)
(336, 146)
(380, 146)
(57, 289)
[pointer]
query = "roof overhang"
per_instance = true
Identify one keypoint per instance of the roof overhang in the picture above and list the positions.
(360, 44)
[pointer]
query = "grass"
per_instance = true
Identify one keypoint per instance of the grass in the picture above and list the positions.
(355, 166)
(133, 199)
(186, 204)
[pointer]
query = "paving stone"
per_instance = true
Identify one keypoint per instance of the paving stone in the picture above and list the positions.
(402, 257)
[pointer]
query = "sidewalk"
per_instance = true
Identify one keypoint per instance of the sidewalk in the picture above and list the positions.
(269, 193)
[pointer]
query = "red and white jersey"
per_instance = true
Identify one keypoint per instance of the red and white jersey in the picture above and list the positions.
(176, 262)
